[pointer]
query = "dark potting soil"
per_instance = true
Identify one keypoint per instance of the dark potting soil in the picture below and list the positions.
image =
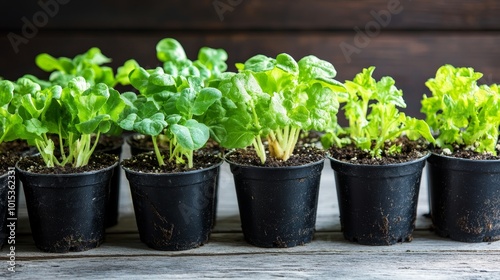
(147, 163)
(410, 150)
(303, 154)
(145, 142)
(97, 161)
(461, 151)
(10, 153)
(108, 142)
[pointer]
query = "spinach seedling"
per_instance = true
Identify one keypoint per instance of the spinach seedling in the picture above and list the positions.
(211, 63)
(87, 65)
(460, 112)
(374, 118)
(277, 98)
(169, 106)
(74, 113)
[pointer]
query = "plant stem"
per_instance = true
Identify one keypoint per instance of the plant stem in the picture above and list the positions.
(282, 142)
(189, 156)
(61, 144)
(259, 149)
(159, 157)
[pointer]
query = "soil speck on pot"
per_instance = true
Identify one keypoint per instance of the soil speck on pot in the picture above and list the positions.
(74, 244)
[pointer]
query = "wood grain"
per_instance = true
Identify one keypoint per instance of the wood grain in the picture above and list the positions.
(410, 58)
(255, 14)
(228, 256)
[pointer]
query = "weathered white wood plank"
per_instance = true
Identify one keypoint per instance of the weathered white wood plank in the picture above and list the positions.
(228, 256)
(406, 265)
(234, 244)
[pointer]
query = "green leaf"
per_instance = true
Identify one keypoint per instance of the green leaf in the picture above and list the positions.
(169, 49)
(457, 109)
(205, 98)
(139, 79)
(373, 115)
(213, 59)
(192, 135)
(35, 126)
(313, 68)
(128, 122)
(260, 63)
(286, 63)
(92, 125)
(185, 101)
(153, 125)
(6, 92)
(123, 72)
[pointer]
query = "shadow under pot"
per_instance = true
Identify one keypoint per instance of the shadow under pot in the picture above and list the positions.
(465, 198)
(378, 203)
(277, 205)
(67, 211)
(174, 211)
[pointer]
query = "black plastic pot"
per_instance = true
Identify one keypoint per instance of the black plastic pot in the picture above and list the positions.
(112, 210)
(465, 198)
(378, 203)
(277, 205)
(137, 149)
(67, 211)
(174, 211)
(10, 188)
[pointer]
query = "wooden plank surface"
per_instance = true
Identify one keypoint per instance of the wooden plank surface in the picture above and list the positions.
(252, 15)
(227, 255)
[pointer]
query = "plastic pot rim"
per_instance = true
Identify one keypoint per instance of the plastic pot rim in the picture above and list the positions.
(379, 166)
(171, 174)
(270, 167)
(65, 175)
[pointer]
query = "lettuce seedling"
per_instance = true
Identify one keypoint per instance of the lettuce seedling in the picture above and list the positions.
(277, 98)
(374, 119)
(75, 113)
(169, 106)
(460, 112)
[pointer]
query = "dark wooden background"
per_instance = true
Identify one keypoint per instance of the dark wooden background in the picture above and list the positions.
(419, 36)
